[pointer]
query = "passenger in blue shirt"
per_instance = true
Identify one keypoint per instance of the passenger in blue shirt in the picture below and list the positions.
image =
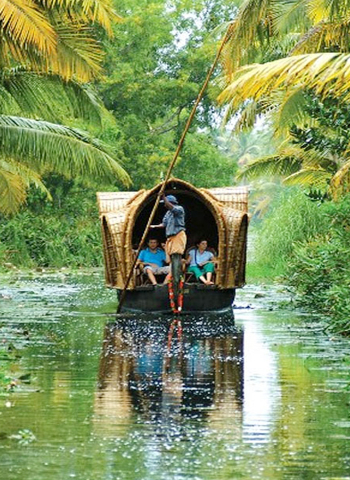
(153, 260)
(201, 262)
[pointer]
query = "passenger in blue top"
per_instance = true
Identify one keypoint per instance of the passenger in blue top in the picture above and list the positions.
(201, 262)
(152, 259)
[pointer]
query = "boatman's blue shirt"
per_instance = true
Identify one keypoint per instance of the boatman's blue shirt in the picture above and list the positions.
(158, 257)
(174, 221)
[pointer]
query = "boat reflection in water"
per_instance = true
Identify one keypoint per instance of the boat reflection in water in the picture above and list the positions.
(168, 376)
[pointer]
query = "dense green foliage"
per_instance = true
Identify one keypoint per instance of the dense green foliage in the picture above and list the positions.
(319, 269)
(49, 51)
(289, 62)
(305, 243)
(64, 232)
(292, 218)
(155, 67)
(331, 121)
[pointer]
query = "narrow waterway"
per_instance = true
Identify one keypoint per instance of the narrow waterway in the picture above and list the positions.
(84, 396)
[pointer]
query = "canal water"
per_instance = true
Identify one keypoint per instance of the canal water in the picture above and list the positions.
(87, 397)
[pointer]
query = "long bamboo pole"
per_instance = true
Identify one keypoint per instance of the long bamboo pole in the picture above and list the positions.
(172, 164)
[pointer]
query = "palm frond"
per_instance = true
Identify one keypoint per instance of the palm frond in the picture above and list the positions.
(35, 95)
(28, 175)
(323, 72)
(27, 25)
(84, 101)
(262, 206)
(310, 41)
(12, 191)
(332, 8)
(78, 54)
(47, 146)
(97, 11)
(324, 159)
(246, 118)
(8, 104)
(50, 98)
(77, 57)
(101, 12)
(340, 182)
(270, 166)
(319, 10)
(330, 36)
(316, 177)
(291, 111)
(12, 54)
(290, 14)
(16, 178)
(245, 28)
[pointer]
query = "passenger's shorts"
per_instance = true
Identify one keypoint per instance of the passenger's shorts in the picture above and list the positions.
(158, 271)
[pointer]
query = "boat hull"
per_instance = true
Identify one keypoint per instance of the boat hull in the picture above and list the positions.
(197, 298)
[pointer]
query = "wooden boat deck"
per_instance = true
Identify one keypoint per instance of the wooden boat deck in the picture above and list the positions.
(197, 298)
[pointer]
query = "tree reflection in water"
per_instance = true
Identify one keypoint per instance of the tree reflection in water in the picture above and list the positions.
(169, 377)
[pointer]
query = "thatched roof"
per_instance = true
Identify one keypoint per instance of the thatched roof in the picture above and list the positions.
(224, 212)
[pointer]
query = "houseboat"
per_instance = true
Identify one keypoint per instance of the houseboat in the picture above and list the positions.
(218, 215)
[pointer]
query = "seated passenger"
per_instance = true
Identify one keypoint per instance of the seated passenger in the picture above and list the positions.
(152, 260)
(201, 262)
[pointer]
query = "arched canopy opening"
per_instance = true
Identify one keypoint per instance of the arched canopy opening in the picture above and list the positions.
(200, 216)
(217, 215)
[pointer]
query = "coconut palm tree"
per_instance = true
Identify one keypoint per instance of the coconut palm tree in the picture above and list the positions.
(54, 37)
(278, 50)
(48, 51)
(244, 146)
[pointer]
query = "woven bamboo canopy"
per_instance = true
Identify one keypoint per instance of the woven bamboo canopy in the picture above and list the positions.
(218, 215)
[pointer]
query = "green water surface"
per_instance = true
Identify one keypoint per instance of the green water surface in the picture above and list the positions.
(83, 396)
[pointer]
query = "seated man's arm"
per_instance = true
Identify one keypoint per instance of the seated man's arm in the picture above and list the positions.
(150, 264)
(140, 261)
(214, 259)
(163, 258)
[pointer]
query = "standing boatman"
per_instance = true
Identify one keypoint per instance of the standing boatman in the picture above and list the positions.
(175, 232)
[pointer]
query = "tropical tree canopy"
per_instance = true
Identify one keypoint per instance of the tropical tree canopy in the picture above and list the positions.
(50, 36)
(155, 66)
(283, 57)
(49, 50)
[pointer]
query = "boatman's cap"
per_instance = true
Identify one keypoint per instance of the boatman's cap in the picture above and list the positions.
(170, 199)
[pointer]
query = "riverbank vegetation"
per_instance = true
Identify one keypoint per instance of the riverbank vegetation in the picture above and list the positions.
(154, 62)
(283, 87)
(287, 62)
(61, 233)
(304, 243)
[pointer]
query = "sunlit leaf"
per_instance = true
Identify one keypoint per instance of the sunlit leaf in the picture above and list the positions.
(27, 25)
(49, 147)
(316, 177)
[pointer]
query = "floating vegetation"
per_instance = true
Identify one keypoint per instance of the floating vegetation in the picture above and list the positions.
(24, 437)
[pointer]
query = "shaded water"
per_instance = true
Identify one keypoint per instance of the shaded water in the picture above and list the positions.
(91, 398)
